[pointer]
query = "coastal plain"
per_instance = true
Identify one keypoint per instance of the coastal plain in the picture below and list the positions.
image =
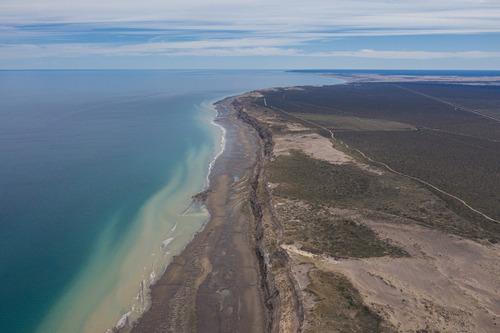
(362, 207)
(385, 224)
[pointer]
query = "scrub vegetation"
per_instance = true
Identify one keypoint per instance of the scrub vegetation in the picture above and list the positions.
(342, 222)
(453, 149)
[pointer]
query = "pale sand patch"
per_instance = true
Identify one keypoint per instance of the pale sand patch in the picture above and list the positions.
(297, 88)
(291, 248)
(370, 169)
(315, 146)
(272, 186)
(312, 144)
(296, 127)
(254, 94)
(450, 284)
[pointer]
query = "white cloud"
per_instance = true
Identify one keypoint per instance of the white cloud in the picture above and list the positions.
(417, 55)
(244, 47)
(31, 28)
(203, 48)
(263, 15)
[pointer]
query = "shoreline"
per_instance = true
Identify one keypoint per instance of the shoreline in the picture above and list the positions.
(232, 122)
(125, 324)
(243, 181)
(127, 320)
(215, 281)
(222, 148)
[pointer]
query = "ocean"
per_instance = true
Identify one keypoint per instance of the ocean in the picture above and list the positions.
(97, 170)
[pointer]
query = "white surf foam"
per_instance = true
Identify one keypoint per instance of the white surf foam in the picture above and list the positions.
(167, 241)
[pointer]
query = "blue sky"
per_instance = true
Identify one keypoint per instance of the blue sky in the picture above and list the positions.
(279, 34)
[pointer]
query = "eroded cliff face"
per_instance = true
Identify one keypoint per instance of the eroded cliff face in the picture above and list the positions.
(278, 284)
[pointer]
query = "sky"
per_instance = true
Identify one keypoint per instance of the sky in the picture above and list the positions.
(250, 34)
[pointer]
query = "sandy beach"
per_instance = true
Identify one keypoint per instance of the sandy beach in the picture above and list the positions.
(214, 284)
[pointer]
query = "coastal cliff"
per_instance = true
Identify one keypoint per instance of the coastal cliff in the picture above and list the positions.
(308, 234)
(282, 299)
(203, 289)
(346, 242)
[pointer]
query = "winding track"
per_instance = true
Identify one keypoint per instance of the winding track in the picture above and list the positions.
(388, 167)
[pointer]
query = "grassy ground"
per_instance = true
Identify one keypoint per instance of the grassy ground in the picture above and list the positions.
(318, 184)
(452, 149)
(323, 184)
(318, 181)
(391, 103)
(466, 167)
(340, 307)
(481, 98)
(351, 123)
(324, 208)
(320, 231)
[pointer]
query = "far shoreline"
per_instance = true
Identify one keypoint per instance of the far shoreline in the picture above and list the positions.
(411, 76)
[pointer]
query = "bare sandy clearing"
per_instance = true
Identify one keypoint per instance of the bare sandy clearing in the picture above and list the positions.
(449, 284)
(312, 144)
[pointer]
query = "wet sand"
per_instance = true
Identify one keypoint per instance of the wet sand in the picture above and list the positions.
(214, 285)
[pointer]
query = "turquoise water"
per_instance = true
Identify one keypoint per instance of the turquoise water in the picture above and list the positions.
(96, 172)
